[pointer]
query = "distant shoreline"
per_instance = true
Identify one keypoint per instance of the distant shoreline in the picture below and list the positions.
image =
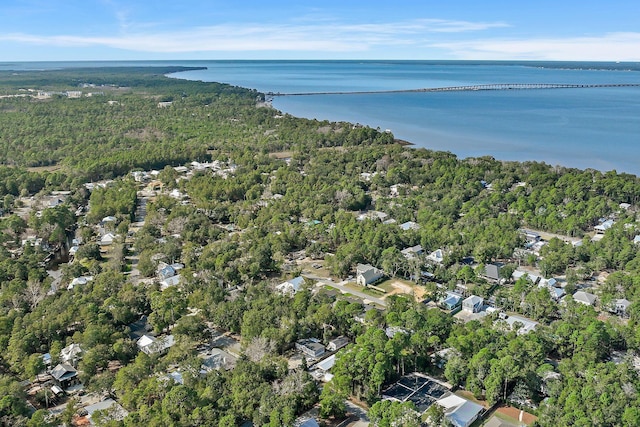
(403, 142)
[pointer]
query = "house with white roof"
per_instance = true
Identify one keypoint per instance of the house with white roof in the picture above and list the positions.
(291, 286)
(71, 354)
(604, 226)
(523, 324)
(459, 411)
(170, 281)
(77, 281)
(409, 225)
(151, 345)
(107, 239)
(473, 304)
(620, 307)
(436, 256)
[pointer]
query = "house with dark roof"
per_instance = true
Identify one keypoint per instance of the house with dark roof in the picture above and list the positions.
(310, 347)
(65, 375)
(337, 343)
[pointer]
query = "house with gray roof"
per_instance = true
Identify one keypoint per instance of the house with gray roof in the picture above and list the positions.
(367, 274)
(604, 226)
(621, 307)
(585, 298)
(473, 304)
(337, 343)
(310, 347)
(451, 301)
(492, 271)
(412, 252)
(109, 408)
(65, 375)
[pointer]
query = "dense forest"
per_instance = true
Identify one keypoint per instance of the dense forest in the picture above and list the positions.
(284, 186)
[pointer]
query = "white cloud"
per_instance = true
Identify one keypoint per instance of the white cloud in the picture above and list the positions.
(609, 47)
(324, 37)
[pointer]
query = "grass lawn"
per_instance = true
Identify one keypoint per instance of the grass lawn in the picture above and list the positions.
(366, 290)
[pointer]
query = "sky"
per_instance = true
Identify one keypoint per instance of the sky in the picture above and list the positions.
(569, 30)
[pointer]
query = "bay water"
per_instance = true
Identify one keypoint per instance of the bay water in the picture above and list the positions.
(595, 128)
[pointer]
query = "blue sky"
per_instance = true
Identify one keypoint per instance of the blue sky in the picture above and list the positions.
(48, 30)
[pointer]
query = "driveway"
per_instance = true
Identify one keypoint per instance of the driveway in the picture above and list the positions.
(322, 281)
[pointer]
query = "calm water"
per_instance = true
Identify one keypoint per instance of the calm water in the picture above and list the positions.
(585, 128)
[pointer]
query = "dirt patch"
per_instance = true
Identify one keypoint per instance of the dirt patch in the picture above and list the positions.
(514, 413)
(396, 287)
(469, 396)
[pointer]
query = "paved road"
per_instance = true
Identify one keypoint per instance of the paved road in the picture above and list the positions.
(322, 281)
(360, 413)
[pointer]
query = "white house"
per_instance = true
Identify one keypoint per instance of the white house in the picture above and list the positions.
(621, 307)
(170, 281)
(525, 325)
(151, 345)
(604, 226)
(71, 354)
(107, 239)
(367, 274)
(82, 280)
(436, 256)
(473, 304)
(290, 287)
(412, 252)
(459, 411)
(409, 225)
(111, 407)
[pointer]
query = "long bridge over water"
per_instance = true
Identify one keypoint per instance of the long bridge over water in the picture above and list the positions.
(497, 86)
